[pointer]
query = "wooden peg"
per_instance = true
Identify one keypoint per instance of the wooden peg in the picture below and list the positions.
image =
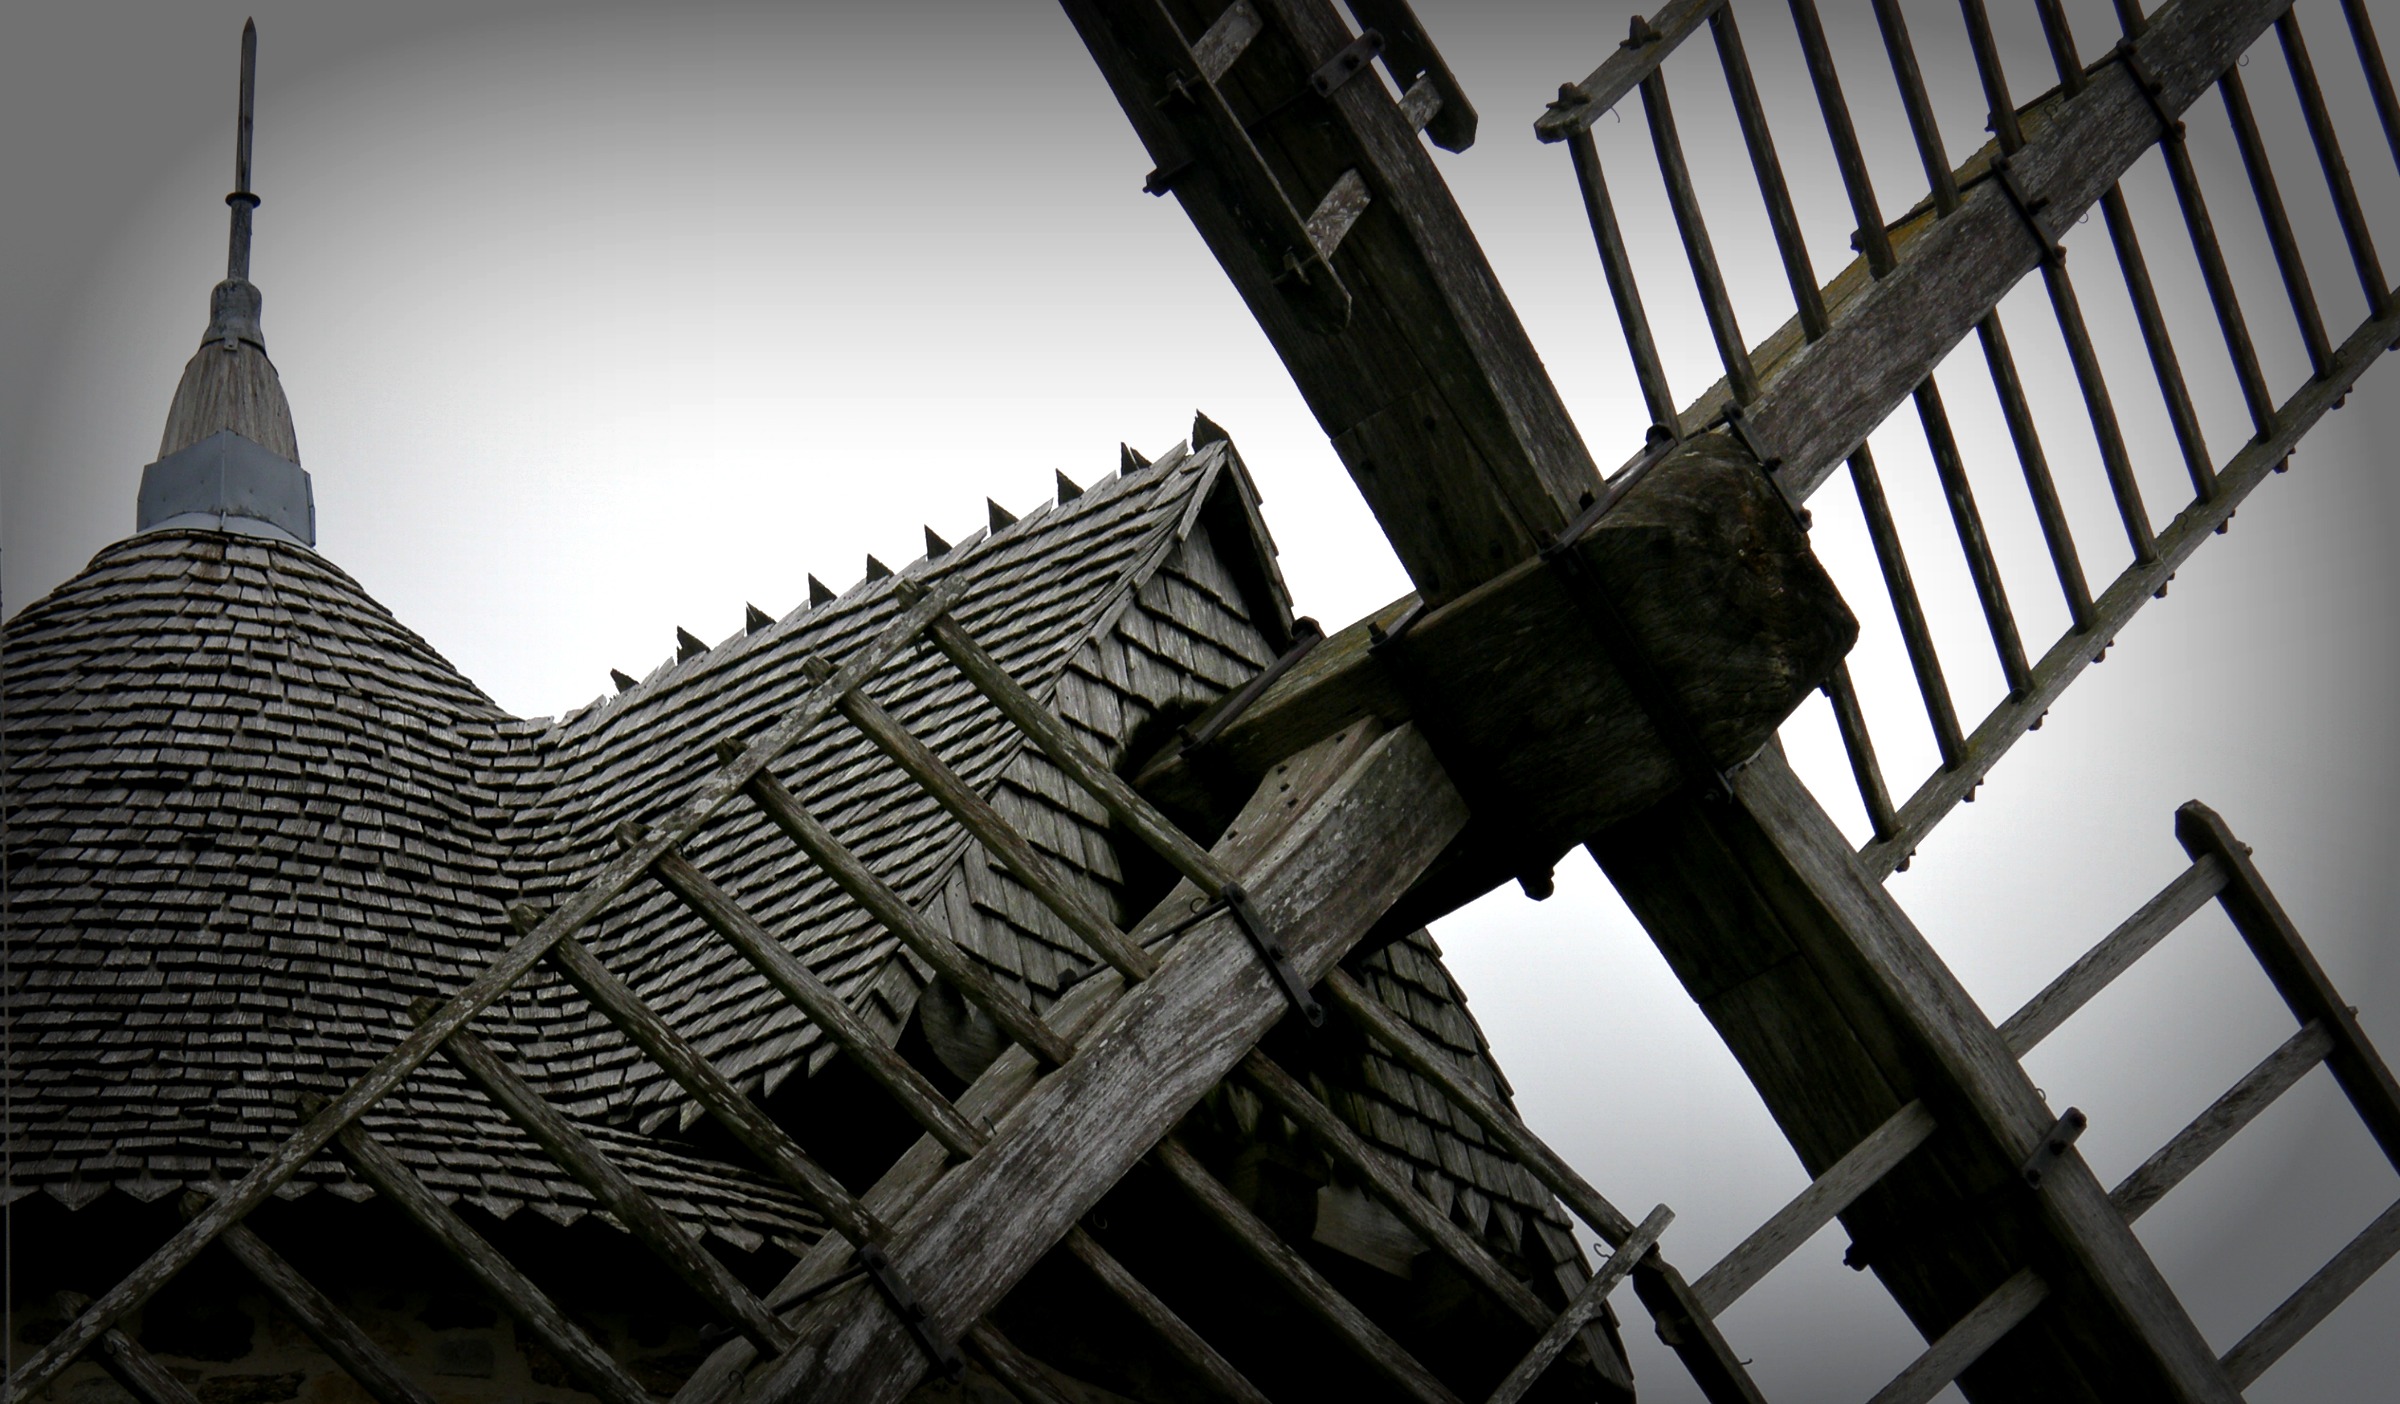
(877, 570)
(624, 683)
(1001, 517)
(687, 645)
(1067, 491)
(754, 618)
(820, 593)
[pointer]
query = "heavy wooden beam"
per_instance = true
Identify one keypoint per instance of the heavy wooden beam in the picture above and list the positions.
(1842, 1014)
(1715, 582)
(1155, 1053)
(1431, 391)
(1885, 341)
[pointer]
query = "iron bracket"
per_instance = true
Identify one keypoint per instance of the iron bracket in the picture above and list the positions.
(1346, 65)
(2129, 54)
(2053, 1148)
(1271, 950)
(1306, 635)
(2028, 209)
(1746, 434)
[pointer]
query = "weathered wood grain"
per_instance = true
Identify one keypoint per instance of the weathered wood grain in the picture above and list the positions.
(632, 1205)
(1715, 582)
(1841, 1014)
(1161, 1047)
(1016, 854)
(1427, 326)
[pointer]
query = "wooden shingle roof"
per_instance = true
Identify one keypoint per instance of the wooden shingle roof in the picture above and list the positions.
(251, 817)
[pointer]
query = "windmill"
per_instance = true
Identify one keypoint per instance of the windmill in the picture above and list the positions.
(1696, 621)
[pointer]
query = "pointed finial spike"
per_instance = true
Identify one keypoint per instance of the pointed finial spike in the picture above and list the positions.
(820, 593)
(1001, 518)
(1067, 491)
(876, 570)
(687, 645)
(754, 618)
(237, 253)
(1129, 461)
(934, 545)
(624, 683)
(1206, 431)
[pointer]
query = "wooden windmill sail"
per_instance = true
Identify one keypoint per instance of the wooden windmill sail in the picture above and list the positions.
(1587, 659)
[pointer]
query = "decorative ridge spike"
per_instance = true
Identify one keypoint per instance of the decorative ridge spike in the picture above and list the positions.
(1206, 431)
(1067, 491)
(1002, 518)
(687, 645)
(754, 618)
(877, 570)
(934, 545)
(820, 593)
(624, 683)
(1129, 461)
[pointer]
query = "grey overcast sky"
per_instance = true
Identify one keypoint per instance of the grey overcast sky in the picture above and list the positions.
(601, 319)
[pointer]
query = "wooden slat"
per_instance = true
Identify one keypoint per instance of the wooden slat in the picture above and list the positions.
(1017, 1372)
(514, 1291)
(1166, 1042)
(126, 1362)
(395, 1066)
(1583, 1310)
(1813, 1208)
(1261, 825)
(972, 810)
(1123, 802)
(629, 1202)
(2332, 1285)
(1432, 388)
(1625, 290)
(1581, 104)
(1390, 1184)
(1964, 1343)
(1841, 1013)
(1373, 1346)
(1699, 251)
(828, 1011)
(2298, 978)
(326, 1324)
(2098, 968)
(2131, 590)
(2210, 1130)
(1884, 341)
(2361, 1071)
(2327, 140)
(929, 942)
(1225, 38)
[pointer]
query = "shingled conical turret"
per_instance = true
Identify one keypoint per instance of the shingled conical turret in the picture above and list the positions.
(229, 460)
